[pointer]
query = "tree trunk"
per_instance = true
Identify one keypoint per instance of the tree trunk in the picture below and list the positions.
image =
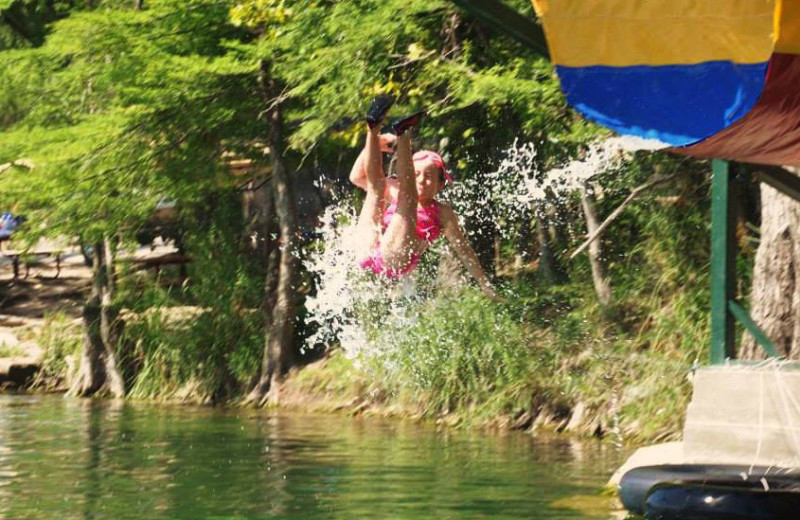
(548, 264)
(110, 326)
(269, 251)
(260, 218)
(273, 259)
(483, 240)
(560, 220)
(775, 296)
(91, 376)
(98, 368)
(278, 354)
(601, 285)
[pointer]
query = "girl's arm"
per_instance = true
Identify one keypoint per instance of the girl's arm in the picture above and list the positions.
(455, 236)
(358, 174)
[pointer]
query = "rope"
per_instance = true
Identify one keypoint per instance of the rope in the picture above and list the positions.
(785, 392)
(760, 421)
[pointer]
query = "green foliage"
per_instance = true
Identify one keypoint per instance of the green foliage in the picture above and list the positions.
(119, 109)
(23, 23)
(482, 90)
(207, 335)
(458, 352)
(197, 354)
(60, 338)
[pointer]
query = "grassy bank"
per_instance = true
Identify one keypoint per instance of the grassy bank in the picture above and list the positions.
(550, 360)
(471, 362)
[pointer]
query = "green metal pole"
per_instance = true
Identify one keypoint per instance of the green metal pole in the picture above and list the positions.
(507, 20)
(723, 262)
(759, 335)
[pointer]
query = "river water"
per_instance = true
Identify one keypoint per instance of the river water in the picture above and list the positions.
(66, 458)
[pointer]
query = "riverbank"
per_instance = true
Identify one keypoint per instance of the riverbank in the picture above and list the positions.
(551, 360)
(25, 304)
(524, 378)
(605, 388)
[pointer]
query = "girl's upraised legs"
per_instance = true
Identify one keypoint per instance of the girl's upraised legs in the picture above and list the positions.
(370, 219)
(399, 242)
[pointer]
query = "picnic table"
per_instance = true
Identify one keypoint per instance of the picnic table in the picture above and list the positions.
(156, 262)
(23, 257)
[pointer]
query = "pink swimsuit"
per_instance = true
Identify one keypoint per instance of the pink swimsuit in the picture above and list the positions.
(429, 228)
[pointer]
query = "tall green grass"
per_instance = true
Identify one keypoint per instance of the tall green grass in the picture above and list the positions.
(7, 351)
(61, 339)
(469, 356)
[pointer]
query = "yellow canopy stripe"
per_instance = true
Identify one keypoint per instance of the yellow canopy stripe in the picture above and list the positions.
(621, 33)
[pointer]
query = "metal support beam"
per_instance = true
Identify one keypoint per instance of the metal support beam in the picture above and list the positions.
(781, 180)
(744, 318)
(509, 21)
(723, 262)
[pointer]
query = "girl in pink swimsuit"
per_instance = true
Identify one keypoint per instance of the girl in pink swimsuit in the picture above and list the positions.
(394, 236)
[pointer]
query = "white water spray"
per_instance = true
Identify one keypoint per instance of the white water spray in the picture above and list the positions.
(345, 295)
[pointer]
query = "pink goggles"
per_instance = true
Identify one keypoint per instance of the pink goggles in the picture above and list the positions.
(436, 159)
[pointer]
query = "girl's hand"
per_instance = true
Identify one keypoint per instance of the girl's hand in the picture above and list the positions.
(387, 142)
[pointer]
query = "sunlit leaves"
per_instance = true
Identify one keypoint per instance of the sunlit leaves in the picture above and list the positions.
(262, 14)
(119, 109)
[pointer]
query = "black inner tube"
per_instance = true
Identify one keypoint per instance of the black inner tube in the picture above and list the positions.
(707, 502)
(637, 483)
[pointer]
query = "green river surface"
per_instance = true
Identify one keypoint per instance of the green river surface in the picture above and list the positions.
(64, 458)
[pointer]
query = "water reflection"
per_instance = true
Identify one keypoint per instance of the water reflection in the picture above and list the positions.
(64, 458)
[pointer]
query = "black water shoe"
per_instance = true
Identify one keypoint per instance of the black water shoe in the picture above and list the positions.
(399, 126)
(378, 108)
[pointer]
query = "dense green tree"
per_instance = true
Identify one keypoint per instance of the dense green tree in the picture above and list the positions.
(482, 89)
(118, 109)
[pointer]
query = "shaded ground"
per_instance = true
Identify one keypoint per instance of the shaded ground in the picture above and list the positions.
(24, 302)
(33, 297)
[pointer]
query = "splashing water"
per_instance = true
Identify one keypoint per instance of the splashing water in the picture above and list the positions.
(518, 188)
(600, 157)
(347, 299)
(345, 294)
(331, 307)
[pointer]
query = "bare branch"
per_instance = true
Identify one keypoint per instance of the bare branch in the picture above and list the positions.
(654, 181)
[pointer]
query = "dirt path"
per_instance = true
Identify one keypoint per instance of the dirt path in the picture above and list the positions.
(24, 303)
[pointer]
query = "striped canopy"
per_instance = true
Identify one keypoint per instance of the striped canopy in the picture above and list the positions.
(713, 78)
